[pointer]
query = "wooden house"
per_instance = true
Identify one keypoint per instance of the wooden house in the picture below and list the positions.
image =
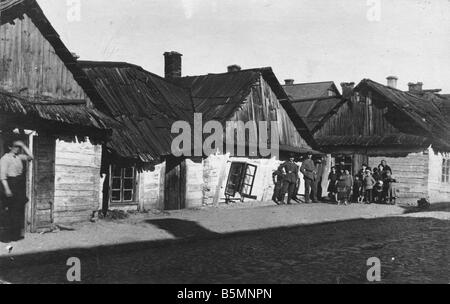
(143, 173)
(377, 122)
(46, 98)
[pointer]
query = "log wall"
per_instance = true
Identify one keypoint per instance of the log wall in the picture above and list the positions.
(411, 173)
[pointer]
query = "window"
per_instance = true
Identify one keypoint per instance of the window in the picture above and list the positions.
(347, 160)
(446, 170)
(241, 179)
(123, 185)
(331, 93)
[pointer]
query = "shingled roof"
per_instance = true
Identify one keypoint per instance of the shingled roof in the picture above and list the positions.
(219, 96)
(62, 117)
(145, 103)
(312, 102)
(424, 113)
(309, 91)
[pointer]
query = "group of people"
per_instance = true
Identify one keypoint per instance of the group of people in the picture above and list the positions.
(368, 186)
(287, 181)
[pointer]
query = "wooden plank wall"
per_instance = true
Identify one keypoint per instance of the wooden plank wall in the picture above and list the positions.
(411, 173)
(28, 64)
(77, 181)
(44, 182)
(259, 107)
(352, 118)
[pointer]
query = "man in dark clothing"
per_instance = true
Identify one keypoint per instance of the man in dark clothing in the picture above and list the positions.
(308, 170)
(13, 189)
(318, 180)
(290, 172)
(277, 177)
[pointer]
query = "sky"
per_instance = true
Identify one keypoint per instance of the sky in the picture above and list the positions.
(306, 40)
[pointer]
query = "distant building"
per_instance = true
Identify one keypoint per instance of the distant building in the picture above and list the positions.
(410, 130)
(141, 169)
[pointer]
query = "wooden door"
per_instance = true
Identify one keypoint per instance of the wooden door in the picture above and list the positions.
(42, 205)
(175, 184)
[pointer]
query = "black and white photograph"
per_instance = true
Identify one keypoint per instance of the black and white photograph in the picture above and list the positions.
(237, 145)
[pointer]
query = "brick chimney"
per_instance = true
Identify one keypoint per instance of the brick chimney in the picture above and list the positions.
(289, 81)
(172, 65)
(347, 89)
(415, 87)
(234, 68)
(392, 81)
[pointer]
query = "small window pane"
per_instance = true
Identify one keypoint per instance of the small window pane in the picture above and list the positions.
(128, 184)
(115, 196)
(116, 184)
(128, 195)
(129, 172)
(117, 172)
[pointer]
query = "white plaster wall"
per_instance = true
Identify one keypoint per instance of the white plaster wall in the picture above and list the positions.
(438, 191)
(151, 188)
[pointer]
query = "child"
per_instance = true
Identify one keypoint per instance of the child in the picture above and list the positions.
(368, 184)
(389, 188)
(332, 179)
(357, 190)
(378, 192)
(344, 188)
(376, 174)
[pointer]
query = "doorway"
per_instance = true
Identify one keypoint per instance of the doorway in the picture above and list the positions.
(175, 184)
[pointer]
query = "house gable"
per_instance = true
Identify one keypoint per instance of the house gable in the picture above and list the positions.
(30, 66)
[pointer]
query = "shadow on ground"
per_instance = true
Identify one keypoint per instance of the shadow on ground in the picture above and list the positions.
(182, 228)
(435, 207)
(412, 250)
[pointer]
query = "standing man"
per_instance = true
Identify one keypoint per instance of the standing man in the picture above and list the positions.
(290, 172)
(308, 170)
(277, 177)
(318, 181)
(13, 188)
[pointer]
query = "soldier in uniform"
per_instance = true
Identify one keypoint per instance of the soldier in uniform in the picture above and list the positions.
(290, 172)
(277, 177)
(318, 180)
(308, 170)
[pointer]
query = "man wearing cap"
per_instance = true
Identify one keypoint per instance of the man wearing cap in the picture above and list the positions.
(277, 177)
(290, 173)
(318, 180)
(308, 170)
(13, 187)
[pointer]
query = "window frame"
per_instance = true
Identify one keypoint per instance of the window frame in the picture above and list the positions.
(445, 172)
(123, 189)
(237, 186)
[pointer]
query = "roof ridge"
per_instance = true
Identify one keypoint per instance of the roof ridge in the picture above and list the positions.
(225, 73)
(305, 83)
